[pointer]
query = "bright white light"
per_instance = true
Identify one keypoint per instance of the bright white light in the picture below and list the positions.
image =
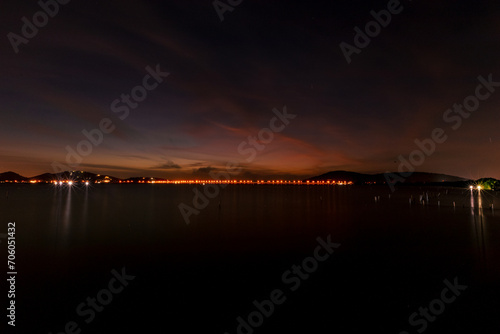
(60, 183)
(87, 183)
(471, 187)
(70, 182)
(478, 187)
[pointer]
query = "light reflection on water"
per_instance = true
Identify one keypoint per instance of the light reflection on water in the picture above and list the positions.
(403, 250)
(480, 223)
(69, 217)
(85, 209)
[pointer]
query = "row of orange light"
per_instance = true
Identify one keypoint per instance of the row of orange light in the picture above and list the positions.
(215, 182)
(243, 182)
(69, 183)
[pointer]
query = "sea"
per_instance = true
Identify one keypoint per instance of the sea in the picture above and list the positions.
(251, 258)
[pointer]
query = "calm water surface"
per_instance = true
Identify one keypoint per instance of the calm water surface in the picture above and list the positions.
(199, 278)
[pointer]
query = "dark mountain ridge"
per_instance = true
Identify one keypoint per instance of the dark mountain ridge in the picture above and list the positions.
(382, 178)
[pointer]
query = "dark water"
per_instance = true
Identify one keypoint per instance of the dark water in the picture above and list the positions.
(393, 258)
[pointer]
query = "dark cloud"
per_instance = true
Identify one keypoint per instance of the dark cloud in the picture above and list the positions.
(203, 170)
(168, 165)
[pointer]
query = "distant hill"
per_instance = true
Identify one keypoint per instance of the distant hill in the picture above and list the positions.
(46, 177)
(419, 177)
(489, 183)
(11, 176)
(359, 178)
(76, 176)
(73, 175)
(416, 178)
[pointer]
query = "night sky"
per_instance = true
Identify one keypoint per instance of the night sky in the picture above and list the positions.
(226, 77)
